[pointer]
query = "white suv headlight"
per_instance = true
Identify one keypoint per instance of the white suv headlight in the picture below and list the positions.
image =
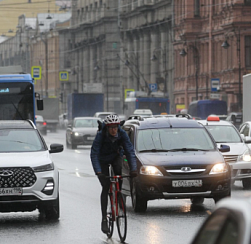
(46, 167)
(219, 168)
(245, 156)
(150, 170)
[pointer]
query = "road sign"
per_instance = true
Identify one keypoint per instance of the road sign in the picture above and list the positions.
(63, 76)
(127, 92)
(215, 84)
(153, 87)
(36, 72)
(215, 95)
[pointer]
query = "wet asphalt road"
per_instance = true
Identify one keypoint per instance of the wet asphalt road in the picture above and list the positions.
(166, 221)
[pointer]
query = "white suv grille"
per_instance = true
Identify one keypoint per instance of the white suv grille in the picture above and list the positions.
(17, 177)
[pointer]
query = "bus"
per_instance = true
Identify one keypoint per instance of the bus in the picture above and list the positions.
(17, 97)
(203, 108)
(157, 105)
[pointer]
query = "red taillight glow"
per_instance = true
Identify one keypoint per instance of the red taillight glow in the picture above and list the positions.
(213, 118)
(44, 123)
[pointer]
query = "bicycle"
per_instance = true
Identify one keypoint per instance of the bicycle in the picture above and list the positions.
(116, 208)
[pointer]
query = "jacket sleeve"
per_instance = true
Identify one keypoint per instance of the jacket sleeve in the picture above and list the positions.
(129, 151)
(95, 149)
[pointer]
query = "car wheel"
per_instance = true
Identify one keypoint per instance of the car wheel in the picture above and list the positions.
(52, 212)
(139, 204)
(246, 183)
(73, 146)
(197, 200)
(67, 144)
(45, 133)
(218, 198)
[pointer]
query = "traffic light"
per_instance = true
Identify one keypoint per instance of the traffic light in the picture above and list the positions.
(61, 98)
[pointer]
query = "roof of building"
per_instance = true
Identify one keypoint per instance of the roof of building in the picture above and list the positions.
(10, 10)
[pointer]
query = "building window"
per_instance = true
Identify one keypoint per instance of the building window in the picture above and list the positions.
(196, 8)
(248, 51)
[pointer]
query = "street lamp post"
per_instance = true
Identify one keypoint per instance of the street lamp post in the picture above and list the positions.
(226, 45)
(45, 41)
(183, 53)
(154, 58)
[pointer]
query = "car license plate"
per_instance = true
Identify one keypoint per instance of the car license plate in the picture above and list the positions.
(17, 191)
(186, 183)
(90, 138)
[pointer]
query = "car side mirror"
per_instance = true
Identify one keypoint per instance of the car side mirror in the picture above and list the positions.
(40, 105)
(247, 139)
(224, 148)
(55, 148)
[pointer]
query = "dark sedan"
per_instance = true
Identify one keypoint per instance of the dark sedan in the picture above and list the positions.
(177, 158)
(81, 132)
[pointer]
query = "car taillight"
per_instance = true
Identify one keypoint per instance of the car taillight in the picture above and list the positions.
(44, 123)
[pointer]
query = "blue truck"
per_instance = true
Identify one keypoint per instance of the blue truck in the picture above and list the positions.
(158, 105)
(203, 108)
(84, 104)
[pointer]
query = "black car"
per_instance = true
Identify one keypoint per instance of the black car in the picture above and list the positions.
(81, 132)
(176, 158)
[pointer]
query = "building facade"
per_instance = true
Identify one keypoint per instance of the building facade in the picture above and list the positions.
(211, 45)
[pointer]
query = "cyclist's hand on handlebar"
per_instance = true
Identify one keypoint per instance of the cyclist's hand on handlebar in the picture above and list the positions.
(101, 176)
(133, 173)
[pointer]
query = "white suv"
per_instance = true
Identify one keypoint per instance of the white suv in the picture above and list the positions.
(29, 179)
(239, 156)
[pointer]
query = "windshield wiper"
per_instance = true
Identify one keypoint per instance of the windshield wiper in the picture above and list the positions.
(186, 149)
(154, 150)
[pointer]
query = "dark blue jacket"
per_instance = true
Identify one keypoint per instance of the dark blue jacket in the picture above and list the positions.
(104, 151)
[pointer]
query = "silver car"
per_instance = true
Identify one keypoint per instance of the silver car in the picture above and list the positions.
(29, 179)
(239, 156)
(81, 132)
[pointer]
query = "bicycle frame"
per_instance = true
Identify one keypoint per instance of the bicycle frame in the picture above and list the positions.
(114, 199)
(117, 208)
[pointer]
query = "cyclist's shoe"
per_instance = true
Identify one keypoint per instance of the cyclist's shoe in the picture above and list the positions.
(104, 226)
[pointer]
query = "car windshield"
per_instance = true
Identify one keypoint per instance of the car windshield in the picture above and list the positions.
(20, 140)
(224, 133)
(169, 139)
(86, 123)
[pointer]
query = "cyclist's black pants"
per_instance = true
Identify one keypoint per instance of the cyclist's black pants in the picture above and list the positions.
(117, 169)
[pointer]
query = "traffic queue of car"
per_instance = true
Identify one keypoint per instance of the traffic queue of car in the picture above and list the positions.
(179, 157)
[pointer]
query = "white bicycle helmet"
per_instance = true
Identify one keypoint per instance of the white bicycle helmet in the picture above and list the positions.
(112, 119)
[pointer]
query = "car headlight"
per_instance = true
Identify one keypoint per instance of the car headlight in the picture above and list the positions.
(77, 134)
(46, 167)
(245, 156)
(219, 168)
(150, 170)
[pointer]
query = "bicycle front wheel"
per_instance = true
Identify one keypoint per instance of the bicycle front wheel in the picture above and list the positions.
(110, 214)
(121, 219)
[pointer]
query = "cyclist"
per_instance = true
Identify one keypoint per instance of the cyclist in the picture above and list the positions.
(107, 149)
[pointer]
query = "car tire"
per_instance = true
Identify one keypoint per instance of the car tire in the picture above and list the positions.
(246, 183)
(51, 212)
(218, 198)
(139, 204)
(73, 146)
(67, 144)
(197, 200)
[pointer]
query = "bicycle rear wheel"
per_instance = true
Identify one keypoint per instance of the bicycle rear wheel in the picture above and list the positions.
(110, 211)
(121, 219)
